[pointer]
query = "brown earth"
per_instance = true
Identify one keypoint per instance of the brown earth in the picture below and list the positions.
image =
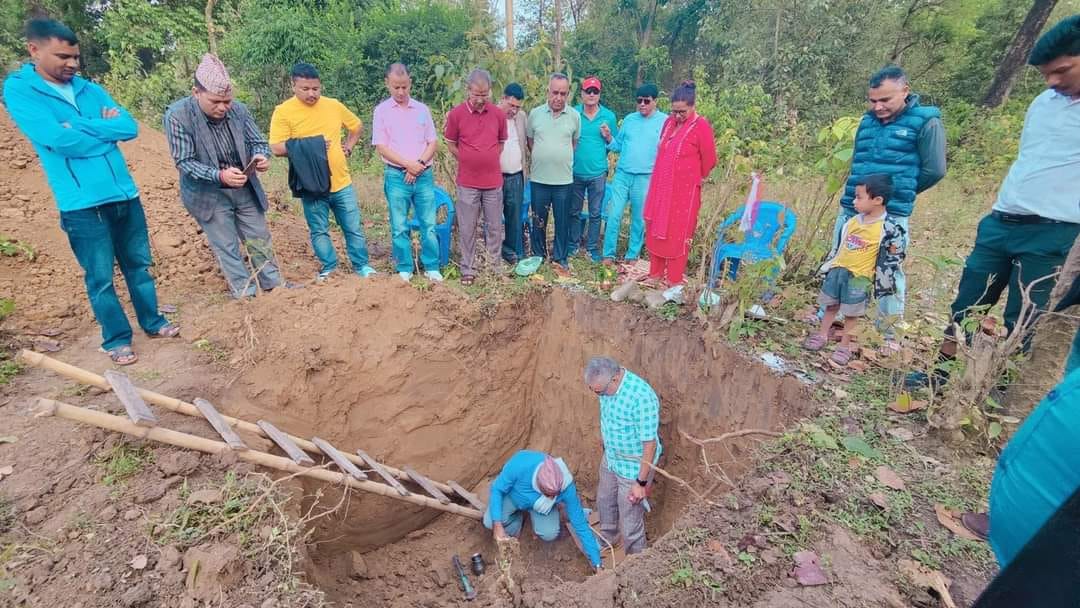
(424, 377)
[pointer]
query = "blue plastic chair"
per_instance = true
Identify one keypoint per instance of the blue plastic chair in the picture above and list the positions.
(444, 229)
(772, 218)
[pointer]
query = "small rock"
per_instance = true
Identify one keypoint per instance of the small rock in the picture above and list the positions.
(132, 514)
(901, 434)
(178, 463)
(137, 595)
(439, 577)
(807, 571)
(269, 603)
(109, 513)
(208, 497)
(359, 566)
(627, 291)
(169, 559)
(139, 562)
(655, 299)
(37, 516)
(759, 485)
(73, 534)
(150, 494)
(101, 582)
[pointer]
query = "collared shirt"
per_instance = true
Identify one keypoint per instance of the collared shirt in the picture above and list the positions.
(406, 129)
(628, 418)
(553, 145)
(637, 141)
(294, 119)
(511, 161)
(182, 145)
(1044, 179)
(224, 144)
(478, 136)
(591, 155)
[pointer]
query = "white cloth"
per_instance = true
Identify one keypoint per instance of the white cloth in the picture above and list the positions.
(753, 199)
(544, 504)
(510, 159)
(1044, 179)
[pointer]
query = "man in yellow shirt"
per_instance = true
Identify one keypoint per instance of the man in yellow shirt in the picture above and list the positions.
(309, 114)
(865, 262)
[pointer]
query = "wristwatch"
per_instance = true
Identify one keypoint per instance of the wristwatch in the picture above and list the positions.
(642, 482)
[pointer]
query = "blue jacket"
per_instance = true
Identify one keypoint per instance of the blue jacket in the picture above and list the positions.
(516, 482)
(913, 155)
(77, 147)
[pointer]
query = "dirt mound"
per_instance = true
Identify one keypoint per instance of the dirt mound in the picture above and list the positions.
(45, 280)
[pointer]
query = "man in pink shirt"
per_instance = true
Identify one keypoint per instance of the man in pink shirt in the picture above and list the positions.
(475, 133)
(403, 134)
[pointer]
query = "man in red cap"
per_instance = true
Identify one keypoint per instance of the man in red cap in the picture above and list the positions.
(598, 125)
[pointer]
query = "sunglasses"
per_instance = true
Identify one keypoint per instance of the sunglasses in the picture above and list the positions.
(644, 101)
(592, 91)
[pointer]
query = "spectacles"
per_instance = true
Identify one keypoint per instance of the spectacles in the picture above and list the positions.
(644, 101)
(604, 390)
(680, 112)
(592, 91)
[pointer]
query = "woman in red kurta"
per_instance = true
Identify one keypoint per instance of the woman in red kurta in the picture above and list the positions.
(686, 155)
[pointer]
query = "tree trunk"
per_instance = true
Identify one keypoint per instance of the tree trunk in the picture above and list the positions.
(1017, 53)
(509, 25)
(646, 40)
(558, 36)
(211, 34)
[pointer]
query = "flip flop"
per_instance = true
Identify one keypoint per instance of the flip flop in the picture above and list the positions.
(122, 355)
(977, 523)
(169, 330)
(467, 280)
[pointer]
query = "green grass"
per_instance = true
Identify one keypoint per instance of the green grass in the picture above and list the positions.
(123, 462)
(187, 524)
(9, 368)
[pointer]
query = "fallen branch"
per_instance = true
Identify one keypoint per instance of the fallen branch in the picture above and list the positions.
(731, 435)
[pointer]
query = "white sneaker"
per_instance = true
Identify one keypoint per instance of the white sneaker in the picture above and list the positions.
(434, 275)
(405, 276)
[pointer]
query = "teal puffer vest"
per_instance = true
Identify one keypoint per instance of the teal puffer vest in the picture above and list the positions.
(890, 148)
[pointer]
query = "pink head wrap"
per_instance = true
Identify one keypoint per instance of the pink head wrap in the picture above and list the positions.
(549, 479)
(213, 76)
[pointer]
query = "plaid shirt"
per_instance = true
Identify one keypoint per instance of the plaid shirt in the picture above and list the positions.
(628, 418)
(182, 146)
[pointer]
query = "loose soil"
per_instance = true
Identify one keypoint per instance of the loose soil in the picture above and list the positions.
(425, 377)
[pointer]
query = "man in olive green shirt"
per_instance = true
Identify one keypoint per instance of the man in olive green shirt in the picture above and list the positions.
(552, 133)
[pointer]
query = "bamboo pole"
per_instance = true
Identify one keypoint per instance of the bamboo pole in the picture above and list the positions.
(49, 407)
(83, 376)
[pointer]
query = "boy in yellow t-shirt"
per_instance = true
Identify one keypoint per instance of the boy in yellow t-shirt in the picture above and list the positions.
(309, 114)
(869, 251)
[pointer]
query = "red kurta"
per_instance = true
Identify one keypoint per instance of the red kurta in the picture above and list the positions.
(684, 158)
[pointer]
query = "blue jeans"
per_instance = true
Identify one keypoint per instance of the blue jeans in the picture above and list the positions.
(632, 188)
(347, 213)
(513, 248)
(557, 199)
(421, 196)
(593, 188)
(546, 527)
(115, 233)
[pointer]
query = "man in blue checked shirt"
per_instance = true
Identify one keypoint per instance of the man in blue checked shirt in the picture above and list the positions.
(629, 421)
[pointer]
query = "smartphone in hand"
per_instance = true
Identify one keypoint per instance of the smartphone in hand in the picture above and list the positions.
(249, 169)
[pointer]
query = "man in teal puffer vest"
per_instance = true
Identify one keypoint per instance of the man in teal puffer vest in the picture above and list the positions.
(906, 140)
(74, 126)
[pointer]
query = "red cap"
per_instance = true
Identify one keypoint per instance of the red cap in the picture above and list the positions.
(590, 83)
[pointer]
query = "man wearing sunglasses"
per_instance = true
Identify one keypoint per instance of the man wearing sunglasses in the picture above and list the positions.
(590, 166)
(636, 144)
(629, 430)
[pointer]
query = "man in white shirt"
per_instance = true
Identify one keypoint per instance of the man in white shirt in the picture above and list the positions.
(512, 160)
(1036, 218)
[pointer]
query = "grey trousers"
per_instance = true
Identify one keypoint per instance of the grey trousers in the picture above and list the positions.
(237, 219)
(617, 514)
(472, 204)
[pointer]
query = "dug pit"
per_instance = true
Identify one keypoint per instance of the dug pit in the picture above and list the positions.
(428, 379)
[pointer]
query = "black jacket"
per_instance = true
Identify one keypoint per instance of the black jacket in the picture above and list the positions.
(309, 169)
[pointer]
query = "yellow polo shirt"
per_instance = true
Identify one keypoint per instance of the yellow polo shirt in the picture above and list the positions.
(295, 119)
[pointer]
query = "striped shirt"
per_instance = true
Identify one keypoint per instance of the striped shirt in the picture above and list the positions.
(182, 145)
(628, 418)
